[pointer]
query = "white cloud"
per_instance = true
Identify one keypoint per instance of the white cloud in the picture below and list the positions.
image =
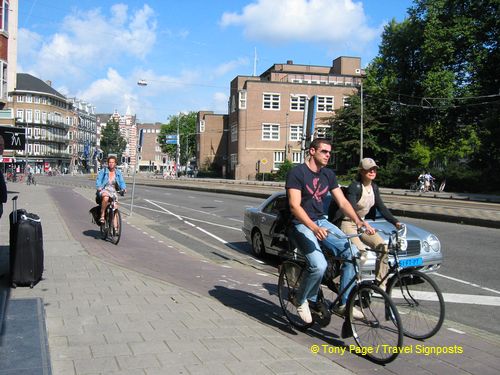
(229, 66)
(219, 102)
(321, 21)
(87, 40)
(114, 92)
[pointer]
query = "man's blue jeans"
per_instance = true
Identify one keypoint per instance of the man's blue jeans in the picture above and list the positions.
(309, 246)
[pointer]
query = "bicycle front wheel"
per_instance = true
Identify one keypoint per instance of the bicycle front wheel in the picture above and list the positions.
(419, 302)
(116, 227)
(288, 285)
(379, 332)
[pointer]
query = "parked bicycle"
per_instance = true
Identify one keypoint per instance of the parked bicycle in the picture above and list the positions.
(112, 227)
(417, 297)
(378, 334)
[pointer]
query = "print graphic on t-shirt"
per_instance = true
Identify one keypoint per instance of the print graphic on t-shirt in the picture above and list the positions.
(316, 191)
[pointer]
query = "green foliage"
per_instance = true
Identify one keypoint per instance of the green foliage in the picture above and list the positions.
(419, 155)
(186, 125)
(283, 170)
(112, 141)
(430, 96)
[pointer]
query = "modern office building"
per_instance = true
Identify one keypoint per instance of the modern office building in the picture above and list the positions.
(265, 118)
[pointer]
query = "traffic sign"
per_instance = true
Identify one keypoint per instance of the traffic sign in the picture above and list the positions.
(171, 139)
(264, 161)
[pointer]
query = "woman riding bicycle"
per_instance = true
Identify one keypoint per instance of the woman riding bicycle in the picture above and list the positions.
(106, 183)
(364, 196)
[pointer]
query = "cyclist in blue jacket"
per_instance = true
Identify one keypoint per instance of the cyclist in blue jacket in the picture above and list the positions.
(107, 182)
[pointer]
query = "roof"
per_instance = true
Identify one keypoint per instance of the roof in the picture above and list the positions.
(26, 82)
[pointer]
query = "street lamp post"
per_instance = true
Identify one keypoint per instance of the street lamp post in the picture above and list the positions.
(361, 125)
(177, 151)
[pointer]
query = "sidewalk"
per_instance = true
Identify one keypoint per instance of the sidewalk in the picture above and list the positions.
(101, 318)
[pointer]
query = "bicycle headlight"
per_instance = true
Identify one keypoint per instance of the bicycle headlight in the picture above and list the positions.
(432, 243)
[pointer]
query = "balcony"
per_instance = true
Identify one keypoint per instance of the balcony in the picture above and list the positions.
(55, 139)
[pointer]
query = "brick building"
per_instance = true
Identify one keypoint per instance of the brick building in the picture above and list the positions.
(266, 115)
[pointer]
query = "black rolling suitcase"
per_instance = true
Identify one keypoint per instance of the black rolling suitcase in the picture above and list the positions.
(26, 247)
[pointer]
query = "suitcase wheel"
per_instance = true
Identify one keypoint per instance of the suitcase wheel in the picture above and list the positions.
(14, 285)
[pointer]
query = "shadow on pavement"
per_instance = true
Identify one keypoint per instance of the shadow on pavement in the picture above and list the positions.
(4, 288)
(252, 305)
(92, 233)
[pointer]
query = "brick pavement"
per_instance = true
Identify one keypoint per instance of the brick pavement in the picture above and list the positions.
(105, 319)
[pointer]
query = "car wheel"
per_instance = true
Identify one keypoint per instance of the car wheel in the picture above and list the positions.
(258, 244)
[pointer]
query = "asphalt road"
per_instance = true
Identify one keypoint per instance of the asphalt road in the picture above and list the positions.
(213, 232)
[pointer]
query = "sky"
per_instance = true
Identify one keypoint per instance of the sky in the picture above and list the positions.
(186, 51)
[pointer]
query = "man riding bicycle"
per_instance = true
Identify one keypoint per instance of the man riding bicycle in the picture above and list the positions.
(107, 181)
(307, 184)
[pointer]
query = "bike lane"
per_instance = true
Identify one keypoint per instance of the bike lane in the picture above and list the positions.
(254, 293)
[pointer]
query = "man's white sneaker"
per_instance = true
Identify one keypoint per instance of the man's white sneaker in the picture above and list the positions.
(304, 312)
(356, 313)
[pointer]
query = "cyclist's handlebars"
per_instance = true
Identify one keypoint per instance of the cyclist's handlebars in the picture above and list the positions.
(348, 236)
(121, 192)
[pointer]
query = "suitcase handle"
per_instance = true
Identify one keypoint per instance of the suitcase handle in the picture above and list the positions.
(14, 209)
(24, 217)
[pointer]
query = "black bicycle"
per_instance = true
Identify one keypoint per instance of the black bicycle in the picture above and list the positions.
(379, 333)
(31, 180)
(112, 227)
(417, 297)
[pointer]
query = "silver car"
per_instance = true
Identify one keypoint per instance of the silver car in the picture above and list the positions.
(422, 249)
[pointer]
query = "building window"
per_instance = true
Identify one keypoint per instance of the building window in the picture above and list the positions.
(297, 102)
(29, 115)
(202, 126)
(346, 101)
(321, 132)
(20, 98)
(20, 115)
(233, 104)
(44, 100)
(37, 116)
(234, 161)
(243, 99)
(234, 132)
(37, 99)
(271, 101)
(4, 16)
(295, 132)
(296, 157)
(278, 159)
(325, 103)
(44, 117)
(270, 132)
(29, 98)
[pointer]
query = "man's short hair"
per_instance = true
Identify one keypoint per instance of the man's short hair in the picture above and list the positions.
(111, 157)
(318, 141)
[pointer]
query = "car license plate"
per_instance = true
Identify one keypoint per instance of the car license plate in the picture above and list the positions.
(411, 262)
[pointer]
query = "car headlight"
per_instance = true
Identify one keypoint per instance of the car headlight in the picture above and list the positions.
(432, 242)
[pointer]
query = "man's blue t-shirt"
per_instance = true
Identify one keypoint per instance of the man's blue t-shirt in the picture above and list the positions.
(313, 185)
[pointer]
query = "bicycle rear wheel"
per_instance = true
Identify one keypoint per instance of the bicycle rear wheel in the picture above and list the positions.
(379, 334)
(288, 285)
(116, 227)
(419, 302)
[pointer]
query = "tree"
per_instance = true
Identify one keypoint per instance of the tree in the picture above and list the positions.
(186, 123)
(432, 92)
(112, 141)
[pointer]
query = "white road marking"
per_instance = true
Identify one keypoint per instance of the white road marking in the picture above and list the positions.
(163, 211)
(456, 331)
(262, 274)
(212, 235)
(467, 299)
(215, 200)
(467, 283)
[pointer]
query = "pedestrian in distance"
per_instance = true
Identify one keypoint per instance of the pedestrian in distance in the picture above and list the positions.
(307, 185)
